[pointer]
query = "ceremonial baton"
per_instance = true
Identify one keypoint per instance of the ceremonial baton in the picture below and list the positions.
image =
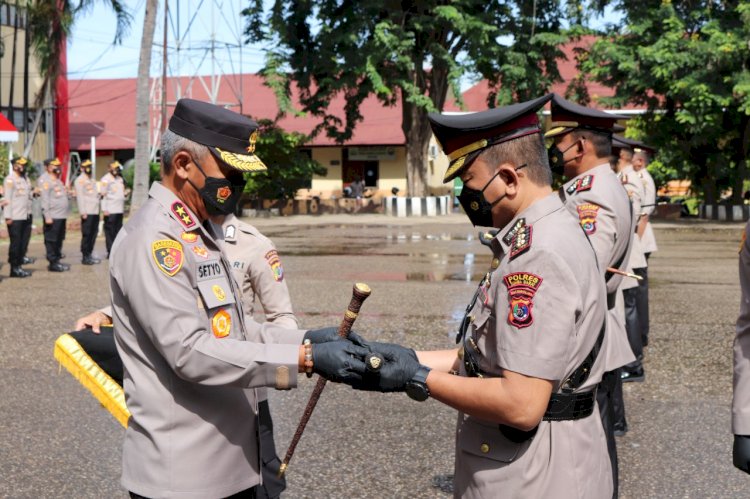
(359, 295)
(626, 274)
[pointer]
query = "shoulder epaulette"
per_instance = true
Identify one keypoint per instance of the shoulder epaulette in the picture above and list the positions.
(582, 184)
(518, 238)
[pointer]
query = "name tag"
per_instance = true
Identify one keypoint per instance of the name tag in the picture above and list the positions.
(210, 269)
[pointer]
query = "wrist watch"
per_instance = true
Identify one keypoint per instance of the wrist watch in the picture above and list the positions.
(416, 388)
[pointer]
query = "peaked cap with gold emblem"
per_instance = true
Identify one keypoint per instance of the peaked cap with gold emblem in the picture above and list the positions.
(567, 116)
(464, 136)
(228, 135)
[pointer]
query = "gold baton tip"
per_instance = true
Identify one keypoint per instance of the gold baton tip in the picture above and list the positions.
(282, 470)
(363, 288)
(350, 315)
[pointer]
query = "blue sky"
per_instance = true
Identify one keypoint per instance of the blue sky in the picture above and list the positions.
(91, 53)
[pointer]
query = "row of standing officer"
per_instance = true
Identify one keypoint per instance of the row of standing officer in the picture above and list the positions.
(54, 196)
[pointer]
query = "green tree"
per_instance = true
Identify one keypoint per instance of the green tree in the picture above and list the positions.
(412, 52)
(688, 63)
(289, 168)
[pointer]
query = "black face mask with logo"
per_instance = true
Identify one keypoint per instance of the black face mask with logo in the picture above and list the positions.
(220, 195)
(557, 160)
(476, 207)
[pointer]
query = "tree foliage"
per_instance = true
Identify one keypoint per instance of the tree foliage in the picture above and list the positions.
(688, 63)
(289, 168)
(412, 52)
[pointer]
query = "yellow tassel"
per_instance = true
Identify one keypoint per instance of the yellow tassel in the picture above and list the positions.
(107, 391)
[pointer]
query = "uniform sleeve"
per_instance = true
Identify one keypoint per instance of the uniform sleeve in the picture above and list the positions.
(650, 194)
(741, 393)
(80, 197)
(535, 320)
(266, 276)
(103, 195)
(45, 188)
(166, 309)
(9, 187)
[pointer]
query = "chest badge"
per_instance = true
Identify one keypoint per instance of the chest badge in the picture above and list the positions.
(522, 286)
(168, 256)
(189, 237)
(200, 251)
(221, 324)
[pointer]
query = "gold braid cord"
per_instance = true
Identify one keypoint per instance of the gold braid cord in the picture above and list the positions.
(359, 295)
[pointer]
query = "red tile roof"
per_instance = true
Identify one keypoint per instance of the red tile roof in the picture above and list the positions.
(106, 108)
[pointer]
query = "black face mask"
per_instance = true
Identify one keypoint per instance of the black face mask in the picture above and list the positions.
(117, 171)
(56, 171)
(557, 160)
(220, 195)
(87, 170)
(477, 208)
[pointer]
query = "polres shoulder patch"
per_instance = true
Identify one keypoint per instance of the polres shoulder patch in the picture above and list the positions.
(587, 213)
(272, 257)
(168, 256)
(522, 286)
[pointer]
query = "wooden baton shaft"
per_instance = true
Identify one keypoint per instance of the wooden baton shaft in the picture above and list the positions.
(359, 295)
(626, 274)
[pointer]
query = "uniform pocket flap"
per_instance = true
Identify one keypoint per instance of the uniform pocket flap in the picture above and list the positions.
(487, 440)
(216, 293)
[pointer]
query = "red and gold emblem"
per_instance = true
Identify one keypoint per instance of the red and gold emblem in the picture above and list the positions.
(223, 194)
(200, 251)
(522, 286)
(189, 237)
(221, 323)
(168, 256)
(272, 257)
(587, 213)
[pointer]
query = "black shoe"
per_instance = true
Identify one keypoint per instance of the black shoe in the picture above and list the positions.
(634, 375)
(87, 260)
(620, 430)
(28, 260)
(65, 266)
(56, 267)
(644, 340)
(62, 255)
(19, 272)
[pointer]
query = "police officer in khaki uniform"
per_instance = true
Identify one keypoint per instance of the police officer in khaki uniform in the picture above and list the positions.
(637, 264)
(113, 202)
(257, 268)
(646, 234)
(596, 197)
(54, 198)
(18, 194)
(192, 359)
(525, 390)
(741, 387)
(87, 196)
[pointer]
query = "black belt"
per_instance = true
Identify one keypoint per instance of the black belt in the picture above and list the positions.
(570, 406)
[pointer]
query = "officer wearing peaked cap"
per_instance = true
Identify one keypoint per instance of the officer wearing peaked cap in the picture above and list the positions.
(192, 359)
(595, 196)
(113, 194)
(54, 197)
(18, 195)
(87, 197)
(524, 378)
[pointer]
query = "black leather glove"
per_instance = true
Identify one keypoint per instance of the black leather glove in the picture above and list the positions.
(327, 334)
(399, 366)
(339, 361)
(741, 452)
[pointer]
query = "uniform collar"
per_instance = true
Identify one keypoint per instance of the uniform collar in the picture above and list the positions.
(230, 228)
(539, 209)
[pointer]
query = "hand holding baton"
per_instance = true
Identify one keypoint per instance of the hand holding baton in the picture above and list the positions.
(359, 295)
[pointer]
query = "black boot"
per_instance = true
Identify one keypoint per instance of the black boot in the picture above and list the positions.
(28, 260)
(89, 260)
(19, 272)
(56, 267)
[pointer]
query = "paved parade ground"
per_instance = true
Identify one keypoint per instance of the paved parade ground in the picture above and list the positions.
(56, 441)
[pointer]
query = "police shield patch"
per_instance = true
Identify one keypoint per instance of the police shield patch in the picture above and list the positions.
(522, 286)
(167, 255)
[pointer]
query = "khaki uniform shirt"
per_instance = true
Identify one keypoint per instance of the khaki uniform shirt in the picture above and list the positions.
(540, 315)
(18, 193)
(648, 240)
(634, 187)
(191, 359)
(741, 393)
(257, 269)
(113, 193)
(87, 195)
(600, 203)
(54, 197)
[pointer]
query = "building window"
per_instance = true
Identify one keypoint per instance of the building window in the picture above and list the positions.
(8, 14)
(17, 119)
